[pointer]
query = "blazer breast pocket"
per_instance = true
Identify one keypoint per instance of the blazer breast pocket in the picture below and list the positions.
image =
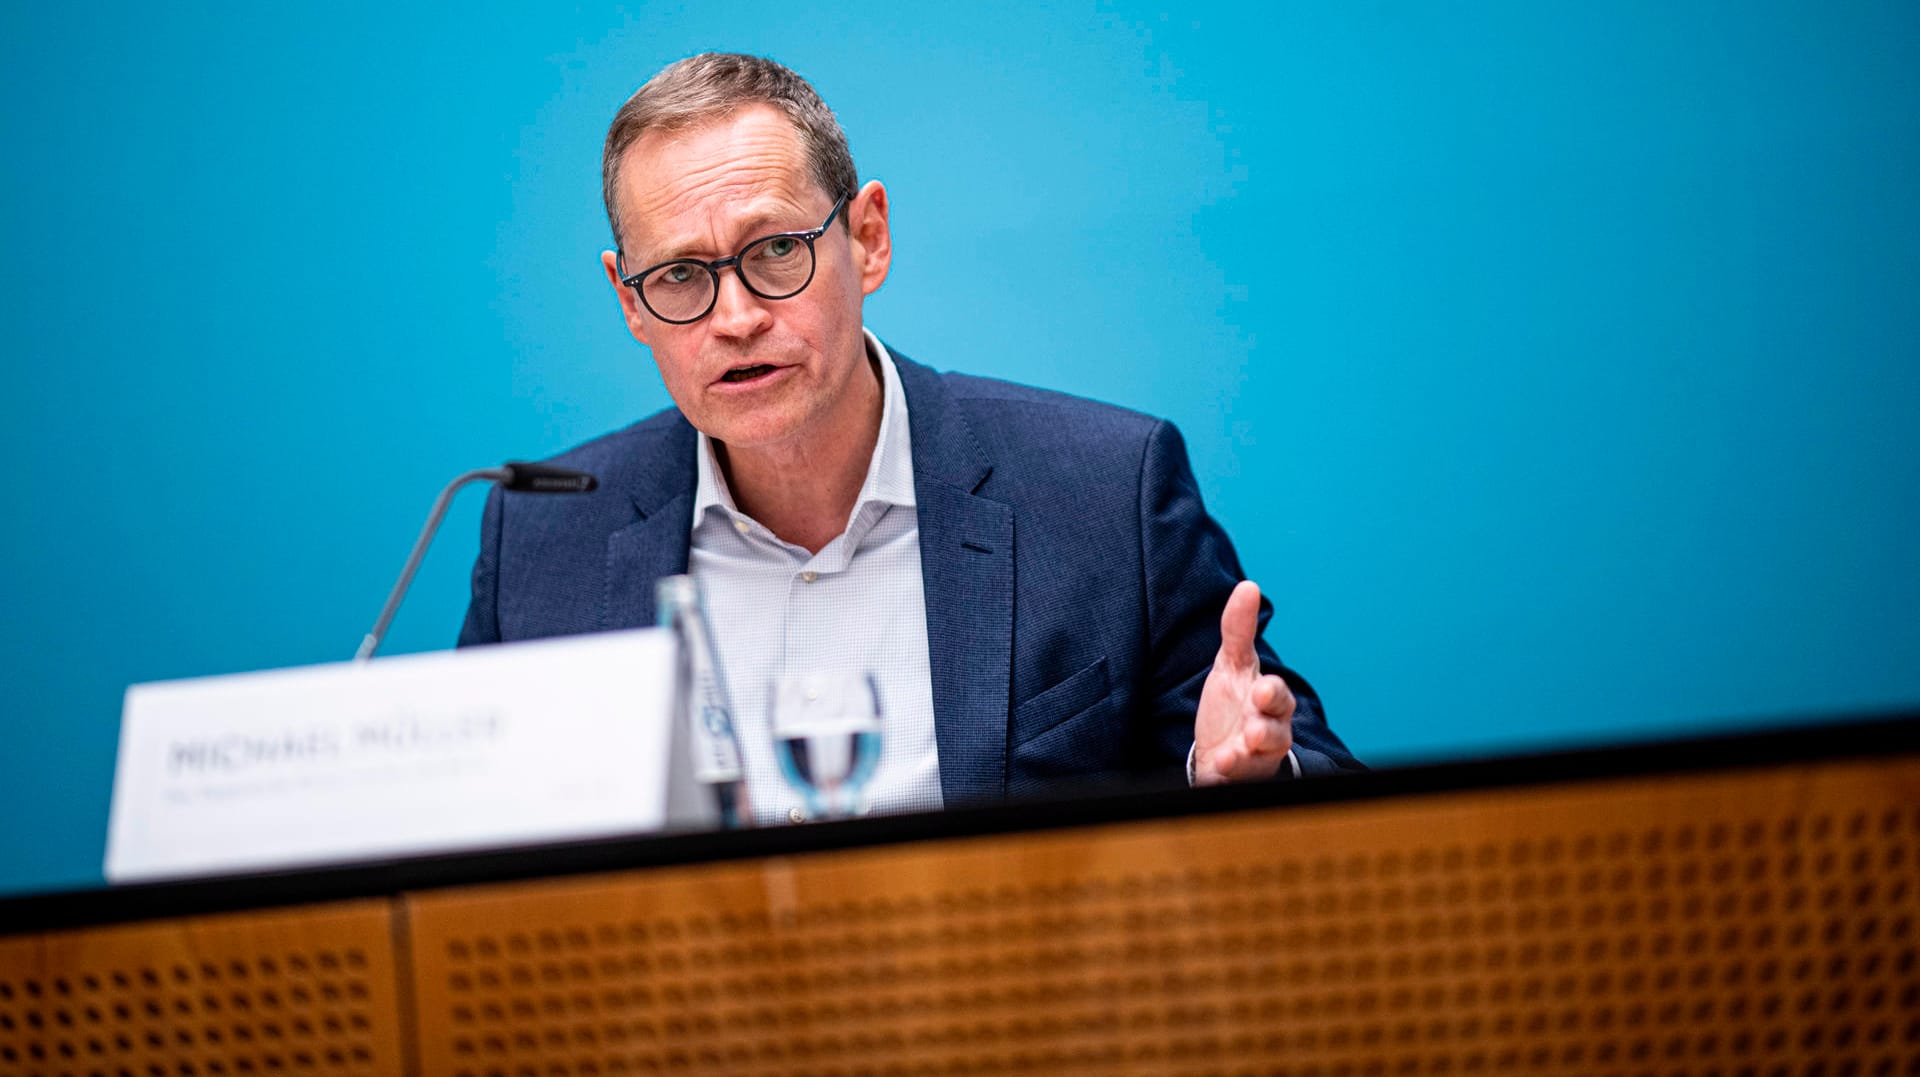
(1064, 701)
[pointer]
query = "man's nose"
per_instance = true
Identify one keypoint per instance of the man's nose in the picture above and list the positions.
(736, 311)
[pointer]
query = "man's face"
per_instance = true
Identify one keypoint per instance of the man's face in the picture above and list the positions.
(754, 373)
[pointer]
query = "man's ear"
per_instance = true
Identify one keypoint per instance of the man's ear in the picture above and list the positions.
(872, 238)
(629, 299)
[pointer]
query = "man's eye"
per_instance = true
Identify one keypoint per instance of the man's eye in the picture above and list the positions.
(676, 275)
(779, 247)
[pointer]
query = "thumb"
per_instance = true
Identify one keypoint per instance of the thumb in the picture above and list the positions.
(1238, 624)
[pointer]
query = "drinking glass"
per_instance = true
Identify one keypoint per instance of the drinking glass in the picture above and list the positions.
(826, 738)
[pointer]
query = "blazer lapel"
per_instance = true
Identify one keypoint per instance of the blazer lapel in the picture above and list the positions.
(966, 568)
(655, 544)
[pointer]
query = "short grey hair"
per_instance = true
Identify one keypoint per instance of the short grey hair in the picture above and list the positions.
(712, 86)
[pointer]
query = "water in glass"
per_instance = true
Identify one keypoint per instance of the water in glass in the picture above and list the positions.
(826, 737)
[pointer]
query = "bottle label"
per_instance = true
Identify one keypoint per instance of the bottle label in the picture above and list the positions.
(716, 752)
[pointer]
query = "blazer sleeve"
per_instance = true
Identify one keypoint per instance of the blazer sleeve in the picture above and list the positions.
(483, 609)
(1190, 568)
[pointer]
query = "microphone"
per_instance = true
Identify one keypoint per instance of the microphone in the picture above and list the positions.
(516, 475)
(528, 478)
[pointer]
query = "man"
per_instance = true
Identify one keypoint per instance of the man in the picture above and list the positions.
(1030, 578)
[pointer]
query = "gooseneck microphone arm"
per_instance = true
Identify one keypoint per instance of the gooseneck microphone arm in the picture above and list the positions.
(519, 477)
(399, 592)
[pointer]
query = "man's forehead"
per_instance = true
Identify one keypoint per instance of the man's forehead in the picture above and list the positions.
(684, 186)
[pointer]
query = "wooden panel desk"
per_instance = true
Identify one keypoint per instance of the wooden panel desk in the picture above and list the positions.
(1744, 906)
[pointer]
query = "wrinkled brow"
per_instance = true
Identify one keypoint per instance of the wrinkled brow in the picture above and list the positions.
(766, 220)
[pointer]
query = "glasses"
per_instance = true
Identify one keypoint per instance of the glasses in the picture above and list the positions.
(779, 266)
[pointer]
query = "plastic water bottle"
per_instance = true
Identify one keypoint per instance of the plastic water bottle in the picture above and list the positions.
(702, 695)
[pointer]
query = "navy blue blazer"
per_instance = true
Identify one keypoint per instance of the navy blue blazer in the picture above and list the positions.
(1074, 581)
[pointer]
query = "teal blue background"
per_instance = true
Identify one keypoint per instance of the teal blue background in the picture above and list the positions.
(1554, 365)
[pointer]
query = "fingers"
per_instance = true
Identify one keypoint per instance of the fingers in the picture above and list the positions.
(1239, 623)
(1227, 762)
(1268, 736)
(1270, 731)
(1273, 697)
(1257, 753)
(1265, 733)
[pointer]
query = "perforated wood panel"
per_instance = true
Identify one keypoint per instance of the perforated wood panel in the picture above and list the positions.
(290, 993)
(1757, 924)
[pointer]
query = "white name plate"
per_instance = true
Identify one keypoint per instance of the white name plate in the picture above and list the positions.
(503, 745)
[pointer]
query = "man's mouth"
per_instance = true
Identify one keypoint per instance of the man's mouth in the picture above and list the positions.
(747, 373)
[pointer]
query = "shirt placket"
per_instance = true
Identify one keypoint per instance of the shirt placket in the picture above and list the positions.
(816, 587)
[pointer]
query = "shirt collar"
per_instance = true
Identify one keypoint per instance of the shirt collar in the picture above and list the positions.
(889, 478)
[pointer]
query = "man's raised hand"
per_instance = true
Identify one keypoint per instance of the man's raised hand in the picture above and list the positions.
(1245, 724)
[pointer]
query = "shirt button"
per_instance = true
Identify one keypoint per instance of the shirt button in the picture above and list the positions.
(796, 815)
(809, 575)
(742, 526)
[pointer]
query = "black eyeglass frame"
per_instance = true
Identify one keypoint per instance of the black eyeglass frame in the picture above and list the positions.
(713, 268)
